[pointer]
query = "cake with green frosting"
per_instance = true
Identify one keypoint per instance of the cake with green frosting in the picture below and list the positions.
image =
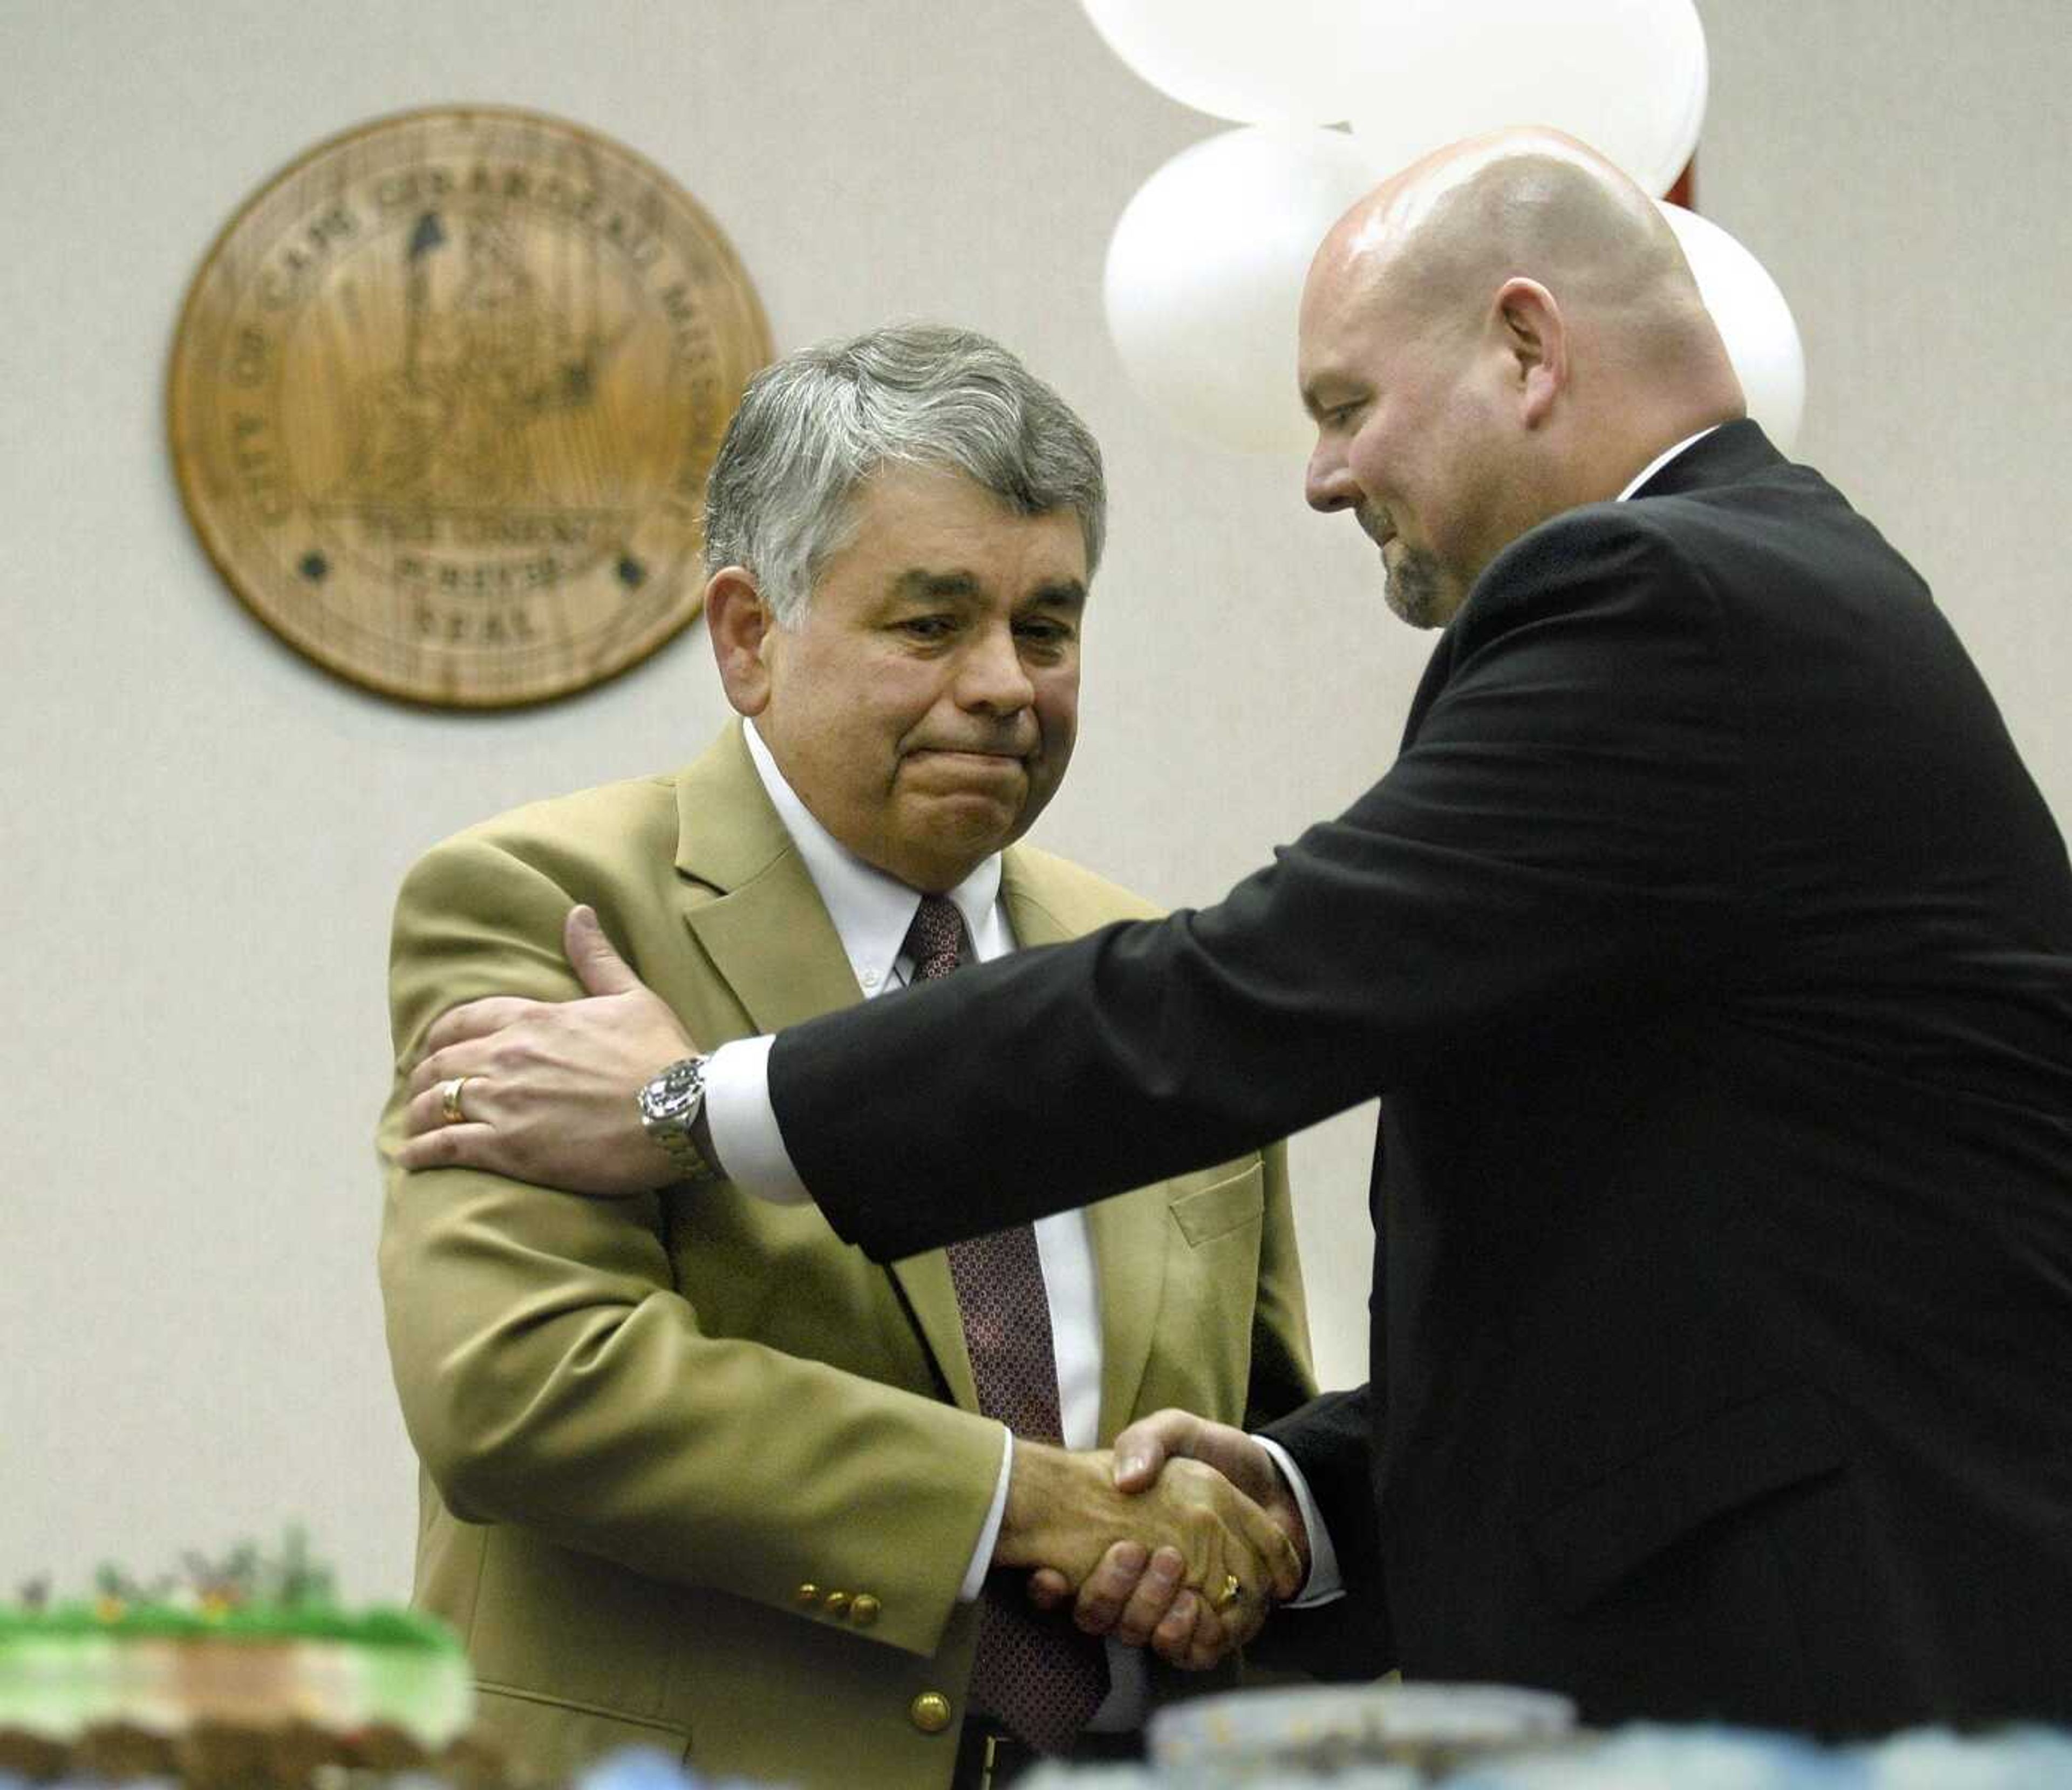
(249, 1673)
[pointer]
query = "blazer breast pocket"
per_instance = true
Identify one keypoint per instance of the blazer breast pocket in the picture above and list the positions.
(1591, 1542)
(1231, 1201)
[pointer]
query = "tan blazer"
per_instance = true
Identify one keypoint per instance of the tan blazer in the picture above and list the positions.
(657, 1434)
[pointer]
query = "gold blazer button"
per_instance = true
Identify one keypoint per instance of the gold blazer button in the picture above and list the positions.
(863, 1611)
(809, 1593)
(836, 1602)
(930, 1712)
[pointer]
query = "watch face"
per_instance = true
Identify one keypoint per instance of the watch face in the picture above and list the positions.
(674, 1097)
(669, 1105)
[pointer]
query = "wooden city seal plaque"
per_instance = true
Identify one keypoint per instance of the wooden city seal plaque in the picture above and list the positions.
(443, 398)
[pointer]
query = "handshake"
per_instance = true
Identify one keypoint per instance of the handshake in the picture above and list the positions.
(1180, 1538)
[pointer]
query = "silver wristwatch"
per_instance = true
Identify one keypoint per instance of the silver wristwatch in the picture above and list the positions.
(669, 1107)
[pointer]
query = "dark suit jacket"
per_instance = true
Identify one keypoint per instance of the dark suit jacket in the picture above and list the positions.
(1711, 951)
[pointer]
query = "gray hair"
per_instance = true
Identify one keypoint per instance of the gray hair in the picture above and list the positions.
(814, 426)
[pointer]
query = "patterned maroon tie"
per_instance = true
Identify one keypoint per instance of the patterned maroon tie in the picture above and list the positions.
(1037, 1673)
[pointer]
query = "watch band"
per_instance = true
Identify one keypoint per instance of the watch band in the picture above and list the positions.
(670, 1106)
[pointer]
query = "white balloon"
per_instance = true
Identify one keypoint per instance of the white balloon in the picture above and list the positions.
(1629, 77)
(1754, 322)
(1205, 273)
(1254, 61)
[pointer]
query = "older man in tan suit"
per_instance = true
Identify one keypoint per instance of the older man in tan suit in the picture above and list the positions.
(695, 1473)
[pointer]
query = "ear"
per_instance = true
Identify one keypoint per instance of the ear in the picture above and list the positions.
(740, 623)
(1536, 342)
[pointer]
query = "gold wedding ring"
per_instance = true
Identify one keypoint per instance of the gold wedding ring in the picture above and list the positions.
(449, 1100)
(1232, 1590)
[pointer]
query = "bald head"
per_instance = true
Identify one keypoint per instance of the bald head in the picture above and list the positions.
(1451, 228)
(1511, 324)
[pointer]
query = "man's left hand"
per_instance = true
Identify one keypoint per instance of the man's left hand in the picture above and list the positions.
(551, 1086)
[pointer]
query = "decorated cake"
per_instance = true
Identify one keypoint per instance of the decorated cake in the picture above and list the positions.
(244, 1672)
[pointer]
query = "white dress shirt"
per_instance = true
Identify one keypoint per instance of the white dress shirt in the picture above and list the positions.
(1659, 461)
(871, 913)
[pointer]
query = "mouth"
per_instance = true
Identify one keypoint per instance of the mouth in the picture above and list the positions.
(964, 757)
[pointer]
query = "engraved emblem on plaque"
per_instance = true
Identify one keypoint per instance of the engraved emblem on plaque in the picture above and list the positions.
(443, 397)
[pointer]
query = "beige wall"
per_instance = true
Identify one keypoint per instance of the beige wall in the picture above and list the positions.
(201, 832)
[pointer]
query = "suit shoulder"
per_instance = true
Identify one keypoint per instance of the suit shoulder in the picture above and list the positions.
(1077, 897)
(1757, 545)
(1597, 557)
(560, 834)
(1600, 536)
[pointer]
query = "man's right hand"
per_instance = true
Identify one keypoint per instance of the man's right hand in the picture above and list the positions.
(1182, 1524)
(1135, 1595)
(550, 1088)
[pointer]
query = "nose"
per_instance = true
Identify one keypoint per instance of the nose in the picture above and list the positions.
(1327, 483)
(991, 678)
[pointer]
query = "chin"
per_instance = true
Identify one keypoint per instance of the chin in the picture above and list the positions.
(962, 830)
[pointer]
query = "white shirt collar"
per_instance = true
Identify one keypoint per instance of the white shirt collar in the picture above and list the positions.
(871, 910)
(1659, 461)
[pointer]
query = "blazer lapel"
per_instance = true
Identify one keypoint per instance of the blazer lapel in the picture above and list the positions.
(749, 900)
(932, 1297)
(764, 929)
(1129, 1234)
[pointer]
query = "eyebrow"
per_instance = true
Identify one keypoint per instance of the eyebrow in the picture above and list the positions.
(918, 583)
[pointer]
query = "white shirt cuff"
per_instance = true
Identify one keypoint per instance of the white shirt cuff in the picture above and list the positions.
(1323, 1585)
(989, 1537)
(745, 1136)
